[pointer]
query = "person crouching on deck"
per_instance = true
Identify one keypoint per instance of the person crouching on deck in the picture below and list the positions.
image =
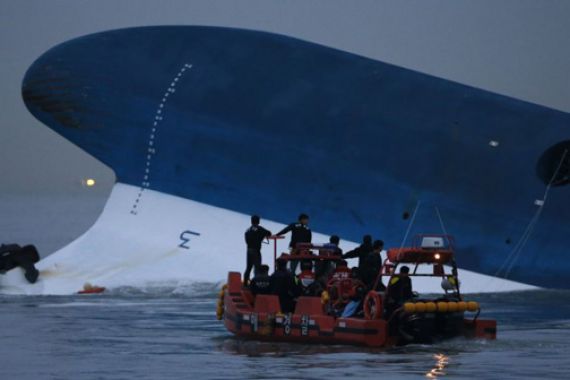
(261, 283)
(286, 286)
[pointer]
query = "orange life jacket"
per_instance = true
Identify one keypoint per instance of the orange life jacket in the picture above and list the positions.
(306, 278)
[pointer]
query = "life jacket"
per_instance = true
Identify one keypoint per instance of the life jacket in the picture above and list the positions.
(399, 290)
(341, 273)
(306, 277)
(394, 280)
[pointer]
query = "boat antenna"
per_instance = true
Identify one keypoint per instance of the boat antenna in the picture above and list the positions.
(447, 237)
(440, 220)
(410, 224)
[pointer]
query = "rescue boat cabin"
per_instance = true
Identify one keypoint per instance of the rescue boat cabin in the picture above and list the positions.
(428, 256)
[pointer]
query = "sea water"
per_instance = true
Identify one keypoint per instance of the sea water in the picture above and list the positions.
(172, 332)
(160, 333)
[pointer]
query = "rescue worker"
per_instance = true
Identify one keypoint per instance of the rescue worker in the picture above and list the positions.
(254, 236)
(285, 285)
(300, 233)
(341, 271)
(354, 273)
(306, 277)
(325, 268)
(373, 265)
(399, 290)
(310, 283)
(333, 243)
(361, 252)
(261, 283)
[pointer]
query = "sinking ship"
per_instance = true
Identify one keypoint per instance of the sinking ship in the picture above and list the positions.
(204, 126)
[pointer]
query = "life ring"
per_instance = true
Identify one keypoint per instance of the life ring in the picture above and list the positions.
(373, 307)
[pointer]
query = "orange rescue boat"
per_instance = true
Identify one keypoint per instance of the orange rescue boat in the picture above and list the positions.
(316, 318)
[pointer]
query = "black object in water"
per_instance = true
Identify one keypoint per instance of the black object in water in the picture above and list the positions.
(13, 256)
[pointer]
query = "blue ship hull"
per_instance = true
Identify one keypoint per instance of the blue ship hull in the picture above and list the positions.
(257, 122)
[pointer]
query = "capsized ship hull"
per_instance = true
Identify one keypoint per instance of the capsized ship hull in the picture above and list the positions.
(256, 122)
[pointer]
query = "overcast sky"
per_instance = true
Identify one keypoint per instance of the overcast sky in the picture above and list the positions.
(517, 48)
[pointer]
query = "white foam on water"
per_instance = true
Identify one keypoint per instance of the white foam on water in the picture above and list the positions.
(145, 250)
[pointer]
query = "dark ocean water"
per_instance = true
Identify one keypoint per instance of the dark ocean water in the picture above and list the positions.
(173, 333)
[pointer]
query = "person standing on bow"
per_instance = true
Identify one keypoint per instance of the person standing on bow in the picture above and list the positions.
(300, 233)
(254, 236)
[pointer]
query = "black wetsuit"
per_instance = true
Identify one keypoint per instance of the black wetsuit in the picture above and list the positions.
(253, 238)
(361, 252)
(261, 284)
(372, 266)
(287, 287)
(300, 233)
(323, 267)
(399, 291)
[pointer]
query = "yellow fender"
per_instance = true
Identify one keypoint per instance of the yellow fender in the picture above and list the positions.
(461, 306)
(220, 305)
(472, 306)
(442, 307)
(410, 307)
(431, 307)
(325, 297)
